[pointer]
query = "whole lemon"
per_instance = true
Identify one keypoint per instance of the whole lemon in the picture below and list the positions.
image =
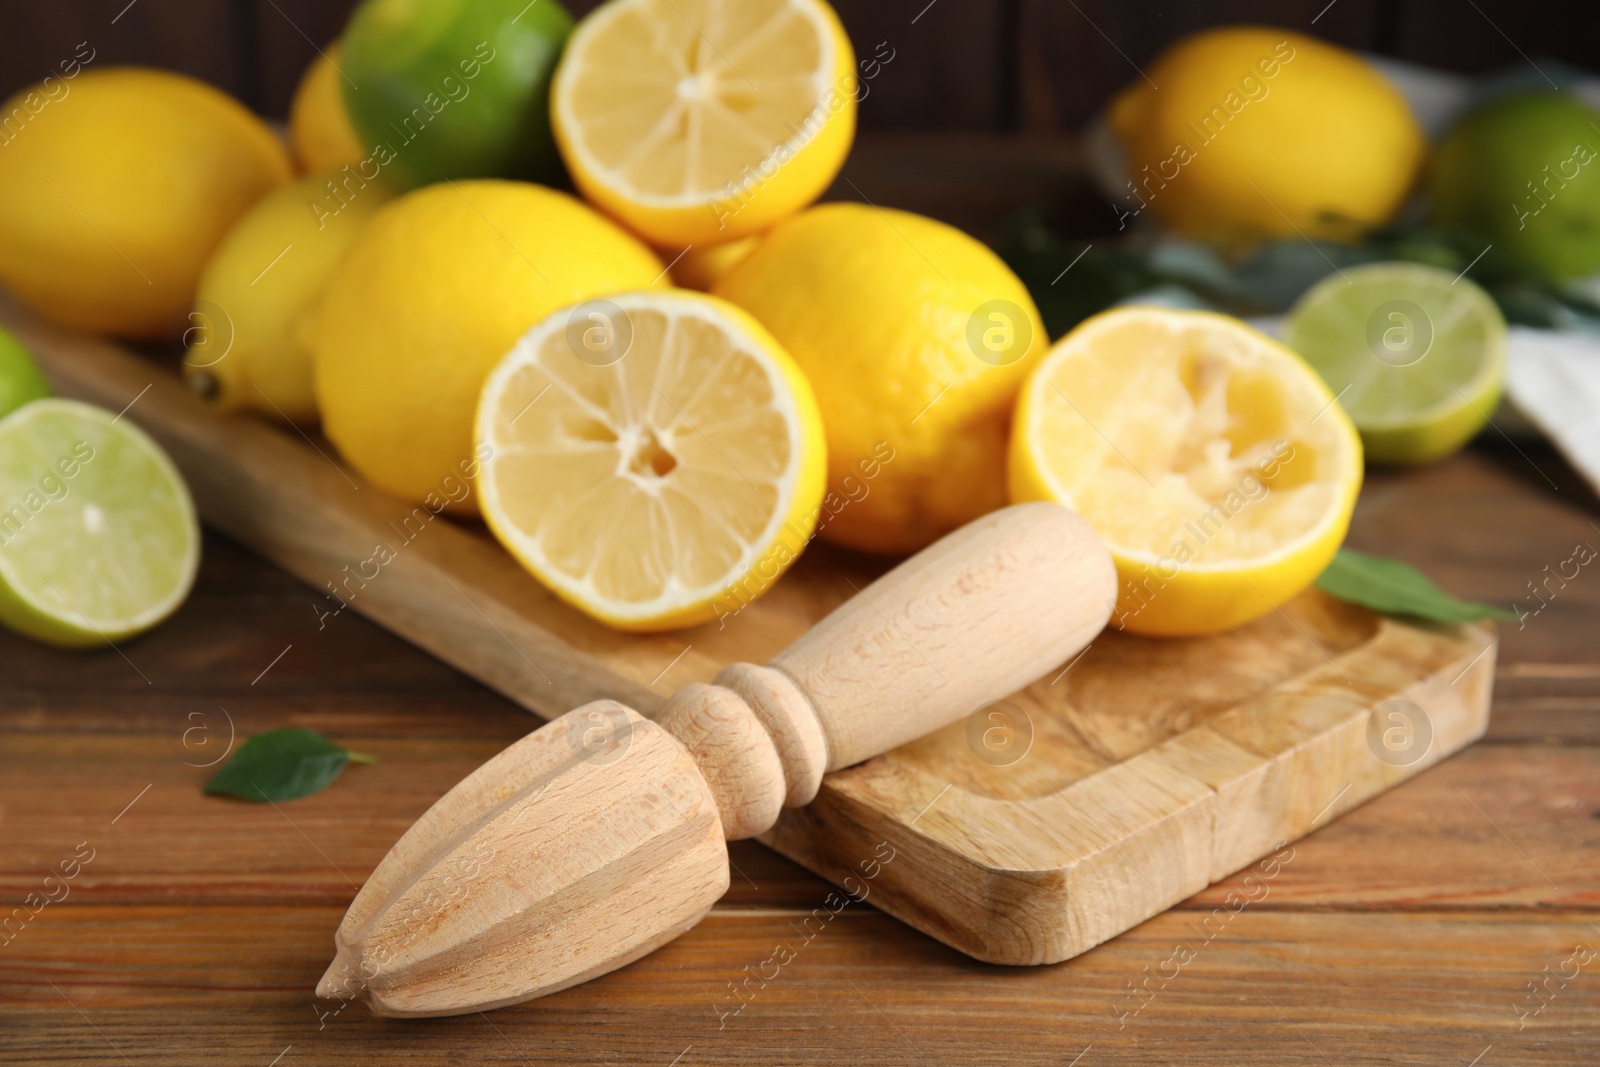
(436, 288)
(114, 193)
(249, 345)
(319, 125)
(1248, 132)
(1522, 171)
(916, 338)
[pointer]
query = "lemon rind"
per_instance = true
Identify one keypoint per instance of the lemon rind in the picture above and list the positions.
(678, 601)
(606, 176)
(1042, 377)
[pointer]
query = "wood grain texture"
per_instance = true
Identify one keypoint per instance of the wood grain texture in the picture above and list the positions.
(1405, 932)
(600, 836)
(175, 987)
(1402, 933)
(1169, 765)
(1134, 779)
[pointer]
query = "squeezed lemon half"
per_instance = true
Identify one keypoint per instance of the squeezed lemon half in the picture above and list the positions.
(1218, 468)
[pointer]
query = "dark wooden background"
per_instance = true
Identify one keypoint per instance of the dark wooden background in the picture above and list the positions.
(1025, 65)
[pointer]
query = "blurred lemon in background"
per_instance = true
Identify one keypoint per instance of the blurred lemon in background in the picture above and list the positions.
(698, 122)
(1524, 172)
(699, 268)
(249, 344)
(1257, 132)
(113, 197)
(434, 291)
(916, 338)
(1216, 466)
(319, 125)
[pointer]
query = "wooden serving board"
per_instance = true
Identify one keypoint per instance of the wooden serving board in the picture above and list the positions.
(1091, 800)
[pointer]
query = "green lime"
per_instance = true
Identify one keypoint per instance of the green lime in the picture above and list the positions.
(1416, 355)
(98, 539)
(1524, 172)
(441, 89)
(20, 380)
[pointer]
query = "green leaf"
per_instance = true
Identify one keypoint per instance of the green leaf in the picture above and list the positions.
(1390, 587)
(282, 765)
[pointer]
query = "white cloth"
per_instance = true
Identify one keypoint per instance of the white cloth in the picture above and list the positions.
(1553, 378)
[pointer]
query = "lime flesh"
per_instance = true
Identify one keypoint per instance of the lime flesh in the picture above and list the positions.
(1416, 355)
(98, 537)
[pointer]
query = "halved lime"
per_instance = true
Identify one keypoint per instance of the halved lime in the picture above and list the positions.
(98, 538)
(1416, 355)
(20, 380)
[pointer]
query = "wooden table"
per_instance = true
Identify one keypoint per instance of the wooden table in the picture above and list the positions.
(1410, 931)
(1406, 932)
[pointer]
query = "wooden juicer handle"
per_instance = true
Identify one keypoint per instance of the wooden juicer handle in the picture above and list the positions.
(602, 835)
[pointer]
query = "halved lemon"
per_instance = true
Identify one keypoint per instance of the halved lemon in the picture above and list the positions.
(655, 458)
(1215, 464)
(701, 121)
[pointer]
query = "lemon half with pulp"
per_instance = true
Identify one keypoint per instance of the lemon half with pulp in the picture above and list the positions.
(1215, 464)
(655, 458)
(700, 121)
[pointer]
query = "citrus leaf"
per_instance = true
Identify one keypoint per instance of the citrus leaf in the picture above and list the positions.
(282, 765)
(1390, 587)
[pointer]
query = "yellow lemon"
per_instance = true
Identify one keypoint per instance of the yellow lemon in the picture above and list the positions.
(319, 125)
(699, 268)
(114, 194)
(916, 338)
(434, 291)
(1214, 463)
(249, 343)
(1249, 132)
(655, 457)
(698, 121)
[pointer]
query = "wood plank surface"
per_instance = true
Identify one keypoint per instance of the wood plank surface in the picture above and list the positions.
(1098, 820)
(1406, 932)
(1403, 933)
(179, 986)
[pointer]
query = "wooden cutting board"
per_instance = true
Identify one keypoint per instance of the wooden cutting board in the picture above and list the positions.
(1089, 801)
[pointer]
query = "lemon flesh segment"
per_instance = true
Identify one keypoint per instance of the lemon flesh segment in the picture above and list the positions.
(666, 486)
(1214, 463)
(701, 121)
(1416, 354)
(98, 537)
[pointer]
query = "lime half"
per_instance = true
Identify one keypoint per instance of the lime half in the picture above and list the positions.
(1416, 355)
(98, 538)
